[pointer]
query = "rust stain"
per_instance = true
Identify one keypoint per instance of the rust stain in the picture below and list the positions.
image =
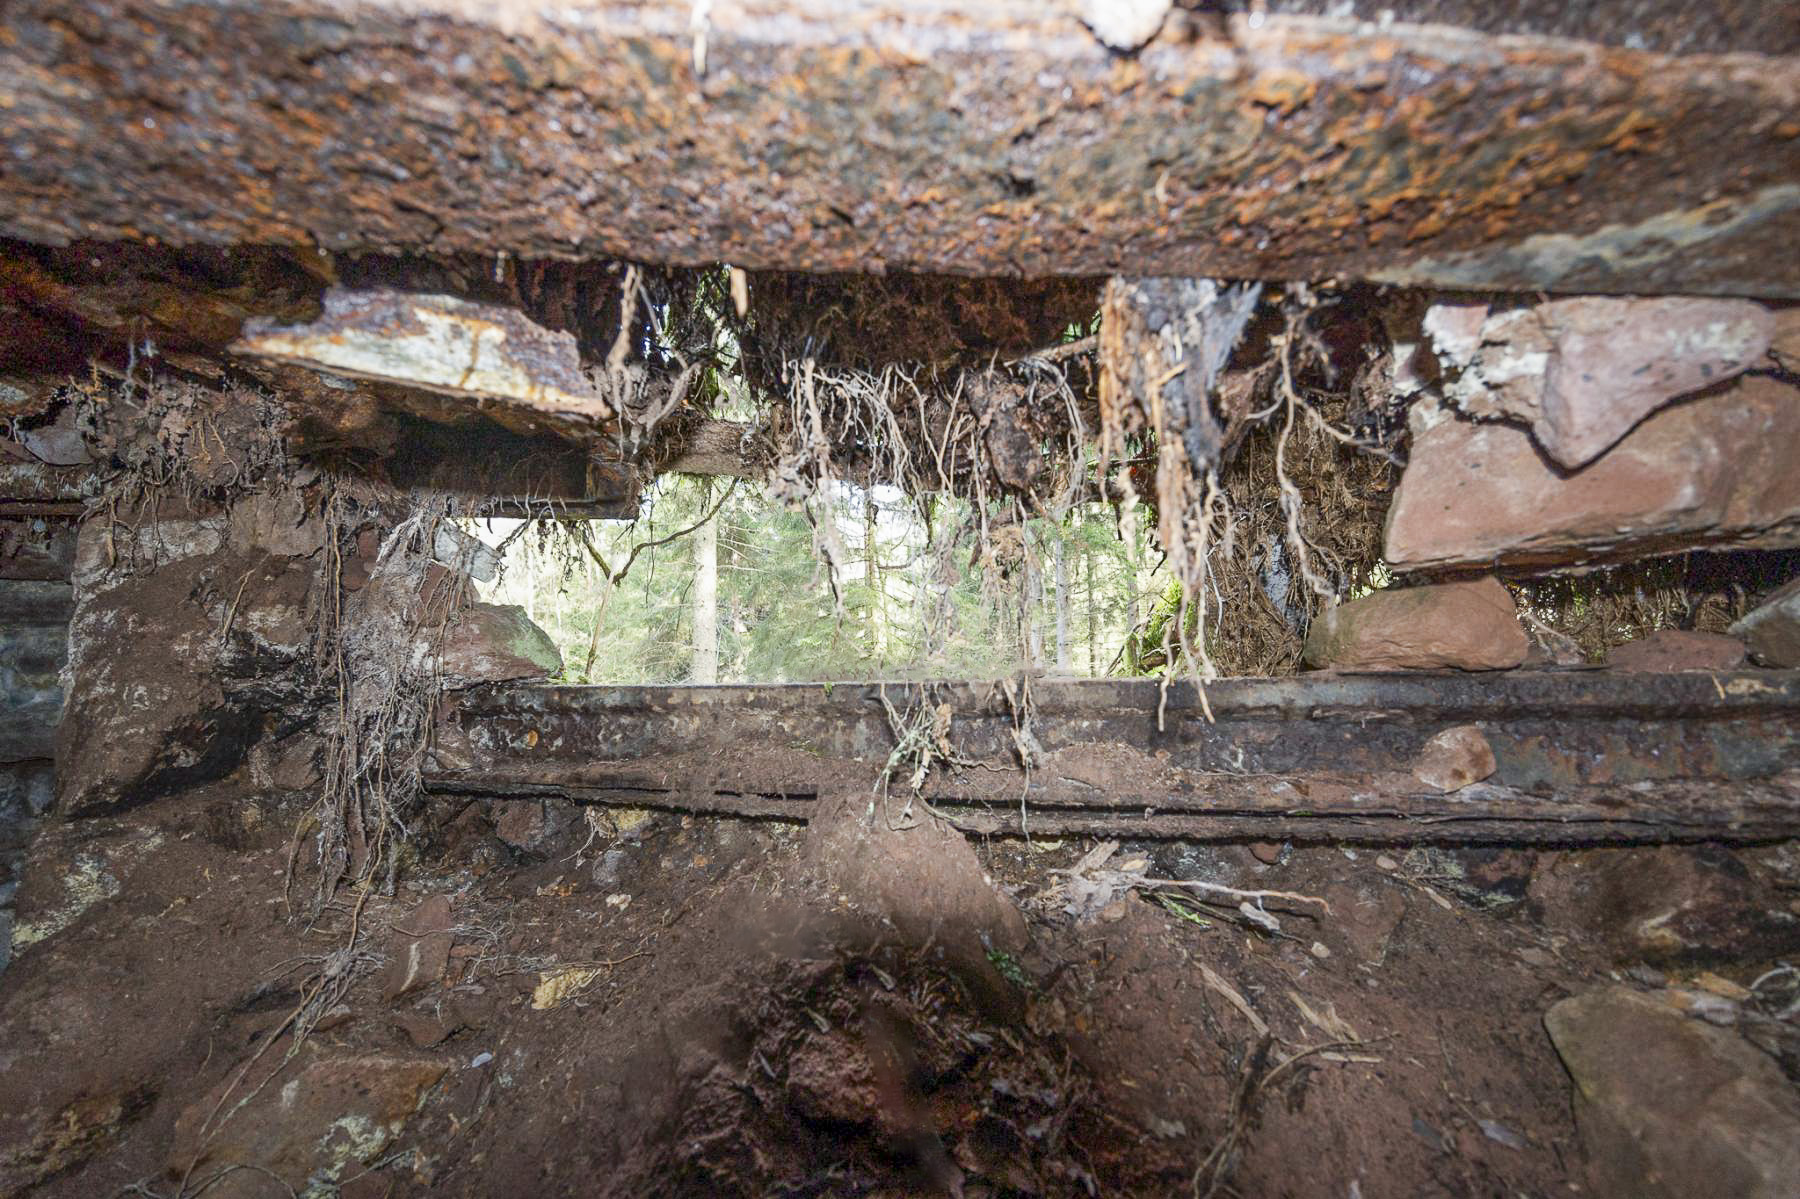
(989, 144)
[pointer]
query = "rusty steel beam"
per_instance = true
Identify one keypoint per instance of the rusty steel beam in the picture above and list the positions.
(996, 138)
(1579, 757)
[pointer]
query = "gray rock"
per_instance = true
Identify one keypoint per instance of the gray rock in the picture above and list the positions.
(33, 647)
(1671, 1107)
(609, 867)
(1772, 629)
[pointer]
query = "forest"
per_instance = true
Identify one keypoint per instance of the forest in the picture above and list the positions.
(728, 588)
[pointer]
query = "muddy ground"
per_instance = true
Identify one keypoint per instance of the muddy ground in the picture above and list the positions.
(563, 1001)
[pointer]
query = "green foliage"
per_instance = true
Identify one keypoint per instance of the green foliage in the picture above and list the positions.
(931, 607)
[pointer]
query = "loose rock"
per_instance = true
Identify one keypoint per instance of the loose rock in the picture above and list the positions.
(1464, 626)
(332, 1117)
(1772, 629)
(1678, 649)
(496, 643)
(1583, 372)
(1716, 472)
(1669, 1106)
(521, 823)
(1455, 758)
(421, 949)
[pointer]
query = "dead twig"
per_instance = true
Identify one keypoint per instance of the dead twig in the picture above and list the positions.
(1215, 1169)
(1238, 893)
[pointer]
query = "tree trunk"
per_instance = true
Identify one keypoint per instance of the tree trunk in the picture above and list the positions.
(706, 600)
(1093, 619)
(1032, 601)
(1128, 533)
(872, 577)
(1064, 654)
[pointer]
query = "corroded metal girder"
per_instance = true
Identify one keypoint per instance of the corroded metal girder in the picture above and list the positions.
(1579, 756)
(994, 137)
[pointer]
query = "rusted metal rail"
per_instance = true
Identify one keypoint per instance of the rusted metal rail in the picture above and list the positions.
(997, 137)
(1583, 756)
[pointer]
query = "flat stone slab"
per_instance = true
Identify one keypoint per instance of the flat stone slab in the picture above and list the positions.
(1716, 472)
(1670, 1107)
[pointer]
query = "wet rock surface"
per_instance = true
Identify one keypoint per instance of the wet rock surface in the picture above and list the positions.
(1462, 626)
(1669, 1106)
(1712, 471)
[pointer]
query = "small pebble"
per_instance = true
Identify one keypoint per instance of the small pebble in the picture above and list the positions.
(1266, 852)
(1722, 987)
(1320, 950)
(1387, 863)
(480, 1060)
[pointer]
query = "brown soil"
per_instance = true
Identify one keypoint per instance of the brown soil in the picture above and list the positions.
(738, 1013)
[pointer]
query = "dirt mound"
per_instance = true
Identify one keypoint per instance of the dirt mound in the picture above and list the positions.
(875, 1071)
(635, 1003)
(887, 1043)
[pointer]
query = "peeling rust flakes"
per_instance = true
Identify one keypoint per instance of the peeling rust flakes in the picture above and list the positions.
(893, 135)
